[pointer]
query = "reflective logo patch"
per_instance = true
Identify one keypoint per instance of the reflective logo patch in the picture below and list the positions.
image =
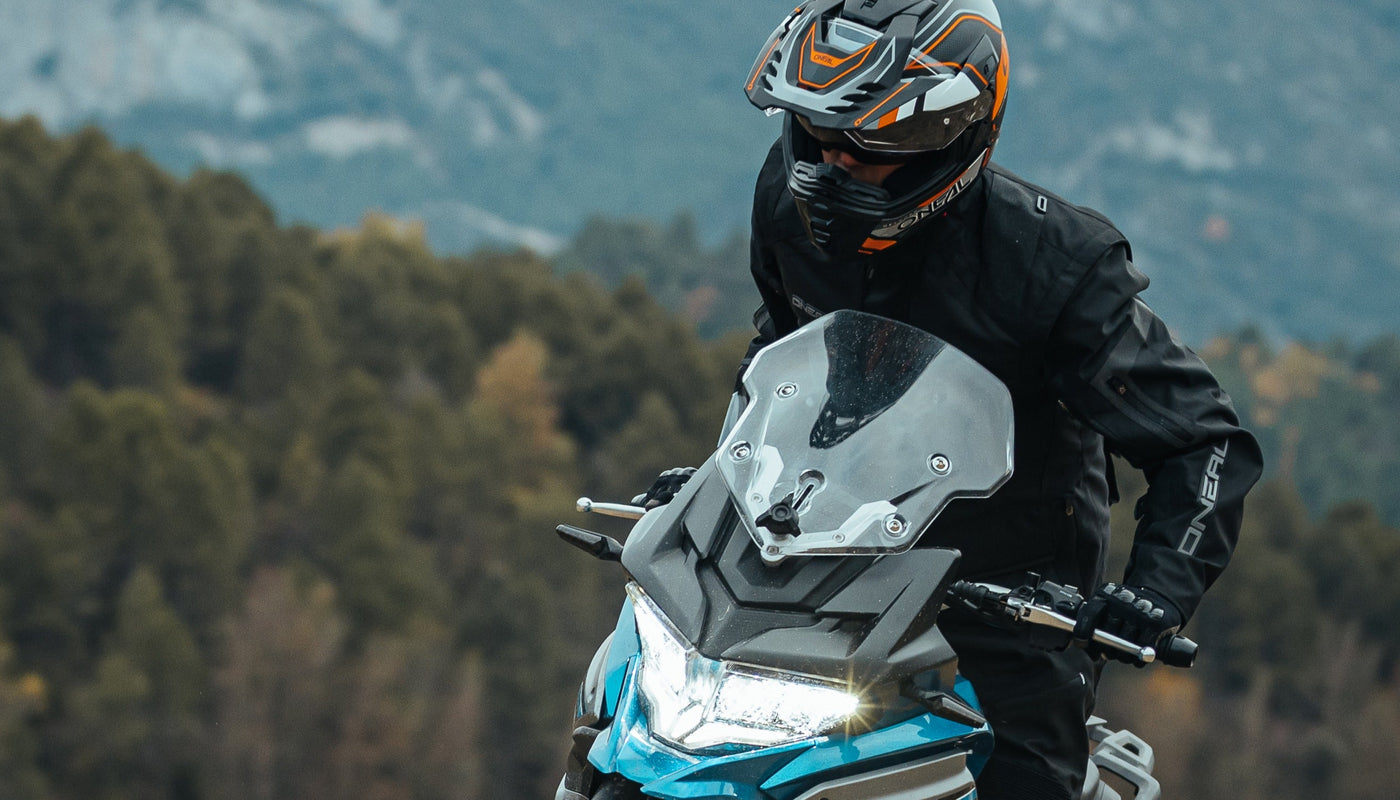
(891, 229)
(803, 307)
(1210, 487)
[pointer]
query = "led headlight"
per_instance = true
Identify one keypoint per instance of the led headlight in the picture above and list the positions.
(695, 702)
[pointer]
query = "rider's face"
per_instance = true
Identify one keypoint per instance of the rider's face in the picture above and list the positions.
(875, 174)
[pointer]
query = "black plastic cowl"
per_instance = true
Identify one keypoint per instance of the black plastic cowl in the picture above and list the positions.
(877, 12)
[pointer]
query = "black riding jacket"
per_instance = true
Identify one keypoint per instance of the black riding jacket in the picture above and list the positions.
(1043, 294)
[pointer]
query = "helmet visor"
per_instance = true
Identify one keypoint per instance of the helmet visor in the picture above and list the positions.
(832, 139)
(920, 132)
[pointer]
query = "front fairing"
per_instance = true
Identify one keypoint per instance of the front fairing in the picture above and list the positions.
(864, 428)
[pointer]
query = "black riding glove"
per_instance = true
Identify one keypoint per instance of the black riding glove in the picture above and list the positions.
(1139, 615)
(665, 487)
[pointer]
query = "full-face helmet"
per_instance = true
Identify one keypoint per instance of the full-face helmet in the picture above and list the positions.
(921, 83)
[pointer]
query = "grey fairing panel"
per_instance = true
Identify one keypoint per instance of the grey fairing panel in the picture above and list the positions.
(939, 778)
(869, 619)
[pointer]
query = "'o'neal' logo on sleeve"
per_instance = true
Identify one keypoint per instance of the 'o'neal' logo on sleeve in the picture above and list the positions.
(1210, 486)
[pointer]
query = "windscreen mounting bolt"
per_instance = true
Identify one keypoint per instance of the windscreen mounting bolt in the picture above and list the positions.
(896, 526)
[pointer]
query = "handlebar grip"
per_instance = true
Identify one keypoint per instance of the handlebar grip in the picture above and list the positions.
(1177, 651)
(967, 592)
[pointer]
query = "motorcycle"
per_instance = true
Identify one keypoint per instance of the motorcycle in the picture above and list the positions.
(779, 639)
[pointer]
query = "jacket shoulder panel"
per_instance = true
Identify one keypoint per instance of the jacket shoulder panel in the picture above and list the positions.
(771, 222)
(1058, 243)
(1078, 232)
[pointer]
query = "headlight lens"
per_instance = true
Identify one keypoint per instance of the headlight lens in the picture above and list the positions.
(695, 702)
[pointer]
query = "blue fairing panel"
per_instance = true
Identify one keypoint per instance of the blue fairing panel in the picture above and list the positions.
(627, 748)
(625, 647)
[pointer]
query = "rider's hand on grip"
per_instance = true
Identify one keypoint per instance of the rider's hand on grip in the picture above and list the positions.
(1139, 615)
(665, 487)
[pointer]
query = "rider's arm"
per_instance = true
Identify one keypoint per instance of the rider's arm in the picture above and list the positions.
(1116, 366)
(775, 317)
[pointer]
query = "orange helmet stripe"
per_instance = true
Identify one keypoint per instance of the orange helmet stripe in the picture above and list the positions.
(1003, 73)
(877, 244)
(882, 104)
(763, 62)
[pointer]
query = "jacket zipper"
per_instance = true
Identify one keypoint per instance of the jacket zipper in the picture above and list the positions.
(1147, 413)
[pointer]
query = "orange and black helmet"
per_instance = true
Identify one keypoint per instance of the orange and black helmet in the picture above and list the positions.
(916, 82)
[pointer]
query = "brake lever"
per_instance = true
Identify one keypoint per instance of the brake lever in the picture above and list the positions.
(1023, 609)
(587, 506)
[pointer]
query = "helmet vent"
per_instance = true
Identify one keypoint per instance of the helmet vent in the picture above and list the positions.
(863, 93)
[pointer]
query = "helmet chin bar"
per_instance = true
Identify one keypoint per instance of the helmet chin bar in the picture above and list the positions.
(844, 216)
(838, 210)
(841, 214)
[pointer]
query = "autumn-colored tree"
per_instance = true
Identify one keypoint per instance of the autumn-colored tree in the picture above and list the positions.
(275, 692)
(22, 697)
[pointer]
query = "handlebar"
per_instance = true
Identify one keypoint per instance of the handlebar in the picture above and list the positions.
(1039, 603)
(1053, 606)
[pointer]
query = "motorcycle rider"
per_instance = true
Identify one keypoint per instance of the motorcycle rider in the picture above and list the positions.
(881, 196)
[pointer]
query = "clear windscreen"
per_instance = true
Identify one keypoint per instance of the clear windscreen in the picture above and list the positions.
(858, 431)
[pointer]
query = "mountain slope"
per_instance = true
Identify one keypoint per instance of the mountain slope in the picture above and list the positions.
(1246, 148)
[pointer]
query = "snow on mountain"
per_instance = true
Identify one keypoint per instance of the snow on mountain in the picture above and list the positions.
(1188, 141)
(250, 84)
(103, 58)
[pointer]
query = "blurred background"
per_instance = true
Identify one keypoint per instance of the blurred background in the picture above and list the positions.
(315, 316)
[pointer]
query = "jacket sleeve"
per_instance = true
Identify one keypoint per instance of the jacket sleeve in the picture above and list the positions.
(774, 318)
(1115, 365)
